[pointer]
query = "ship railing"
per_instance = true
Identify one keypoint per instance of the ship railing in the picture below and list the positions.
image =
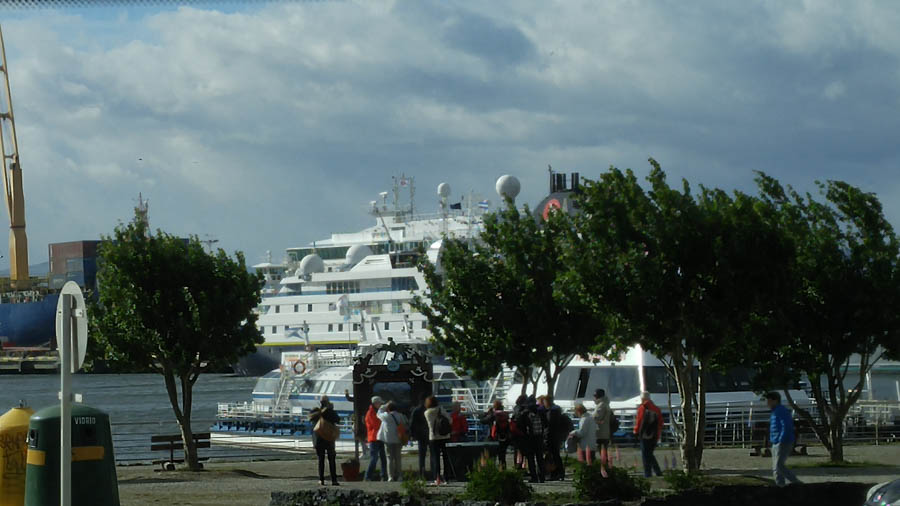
(472, 400)
(253, 411)
(331, 359)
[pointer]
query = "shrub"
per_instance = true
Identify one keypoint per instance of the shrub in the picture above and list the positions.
(590, 485)
(414, 487)
(681, 481)
(487, 482)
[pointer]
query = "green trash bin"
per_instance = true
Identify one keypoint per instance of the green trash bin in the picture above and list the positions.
(93, 463)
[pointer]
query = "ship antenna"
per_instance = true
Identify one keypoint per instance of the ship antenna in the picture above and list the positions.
(412, 196)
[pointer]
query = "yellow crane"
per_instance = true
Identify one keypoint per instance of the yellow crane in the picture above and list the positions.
(12, 185)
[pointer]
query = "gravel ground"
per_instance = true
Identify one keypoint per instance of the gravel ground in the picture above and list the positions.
(251, 483)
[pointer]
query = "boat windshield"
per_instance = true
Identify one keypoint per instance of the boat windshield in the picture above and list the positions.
(738, 379)
(620, 382)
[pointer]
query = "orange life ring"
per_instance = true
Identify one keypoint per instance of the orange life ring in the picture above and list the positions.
(294, 366)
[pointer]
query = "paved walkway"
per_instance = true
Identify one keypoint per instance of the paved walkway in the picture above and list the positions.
(251, 483)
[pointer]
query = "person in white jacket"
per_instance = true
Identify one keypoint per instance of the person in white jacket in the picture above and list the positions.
(586, 434)
(389, 434)
(438, 441)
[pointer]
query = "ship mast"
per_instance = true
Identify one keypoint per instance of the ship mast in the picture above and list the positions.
(12, 186)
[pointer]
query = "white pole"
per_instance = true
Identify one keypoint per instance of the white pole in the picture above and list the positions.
(65, 414)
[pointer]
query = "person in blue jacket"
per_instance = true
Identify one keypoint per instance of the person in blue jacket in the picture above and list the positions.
(781, 435)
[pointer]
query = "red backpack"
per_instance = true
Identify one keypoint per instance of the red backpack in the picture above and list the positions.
(501, 427)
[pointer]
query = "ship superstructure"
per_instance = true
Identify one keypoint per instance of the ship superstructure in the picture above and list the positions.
(353, 287)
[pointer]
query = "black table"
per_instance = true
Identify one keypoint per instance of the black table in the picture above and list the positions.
(463, 456)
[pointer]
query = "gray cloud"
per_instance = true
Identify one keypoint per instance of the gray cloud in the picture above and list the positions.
(272, 127)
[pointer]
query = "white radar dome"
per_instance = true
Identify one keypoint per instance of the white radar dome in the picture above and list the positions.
(356, 253)
(311, 264)
(508, 186)
(443, 190)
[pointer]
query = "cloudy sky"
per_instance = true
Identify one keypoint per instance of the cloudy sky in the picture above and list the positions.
(267, 126)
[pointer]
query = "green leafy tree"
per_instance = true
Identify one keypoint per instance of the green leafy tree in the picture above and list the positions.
(691, 277)
(166, 304)
(845, 304)
(494, 302)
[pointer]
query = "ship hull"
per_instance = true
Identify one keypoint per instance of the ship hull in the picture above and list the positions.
(28, 324)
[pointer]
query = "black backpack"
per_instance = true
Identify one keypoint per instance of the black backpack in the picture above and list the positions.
(649, 424)
(613, 423)
(444, 427)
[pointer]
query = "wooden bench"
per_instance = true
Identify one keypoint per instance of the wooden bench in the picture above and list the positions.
(174, 442)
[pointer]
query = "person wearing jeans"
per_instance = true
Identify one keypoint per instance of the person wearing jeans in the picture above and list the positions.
(648, 428)
(781, 435)
(376, 447)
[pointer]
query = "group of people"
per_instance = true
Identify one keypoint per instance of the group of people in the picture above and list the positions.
(595, 431)
(429, 425)
(535, 428)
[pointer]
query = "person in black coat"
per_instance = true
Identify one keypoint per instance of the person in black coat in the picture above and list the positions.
(322, 446)
(555, 433)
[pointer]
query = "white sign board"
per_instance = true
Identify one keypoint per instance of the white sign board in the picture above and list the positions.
(79, 325)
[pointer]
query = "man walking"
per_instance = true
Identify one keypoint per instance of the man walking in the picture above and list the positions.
(781, 435)
(648, 429)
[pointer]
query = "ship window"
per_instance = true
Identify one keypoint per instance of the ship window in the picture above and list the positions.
(387, 325)
(330, 327)
(296, 308)
(340, 327)
(309, 308)
(424, 325)
(277, 309)
(273, 330)
(340, 287)
(355, 327)
(407, 283)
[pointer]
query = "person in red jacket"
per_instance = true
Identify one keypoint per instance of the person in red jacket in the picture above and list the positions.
(376, 447)
(459, 431)
(648, 429)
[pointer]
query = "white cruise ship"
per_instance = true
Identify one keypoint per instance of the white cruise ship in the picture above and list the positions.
(357, 286)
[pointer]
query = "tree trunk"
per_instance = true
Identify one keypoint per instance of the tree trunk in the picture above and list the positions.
(182, 416)
(836, 453)
(684, 378)
(700, 432)
(187, 434)
(526, 379)
(551, 382)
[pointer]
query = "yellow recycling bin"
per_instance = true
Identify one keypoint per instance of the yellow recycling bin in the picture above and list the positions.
(13, 450)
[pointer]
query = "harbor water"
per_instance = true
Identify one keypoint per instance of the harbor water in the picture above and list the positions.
(138, 407)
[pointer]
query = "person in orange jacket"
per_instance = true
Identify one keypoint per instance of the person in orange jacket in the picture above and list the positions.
(376, 447)
(648, 429)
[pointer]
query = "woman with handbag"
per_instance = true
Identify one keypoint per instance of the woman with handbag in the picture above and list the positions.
(325, 420)
(394, 433)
